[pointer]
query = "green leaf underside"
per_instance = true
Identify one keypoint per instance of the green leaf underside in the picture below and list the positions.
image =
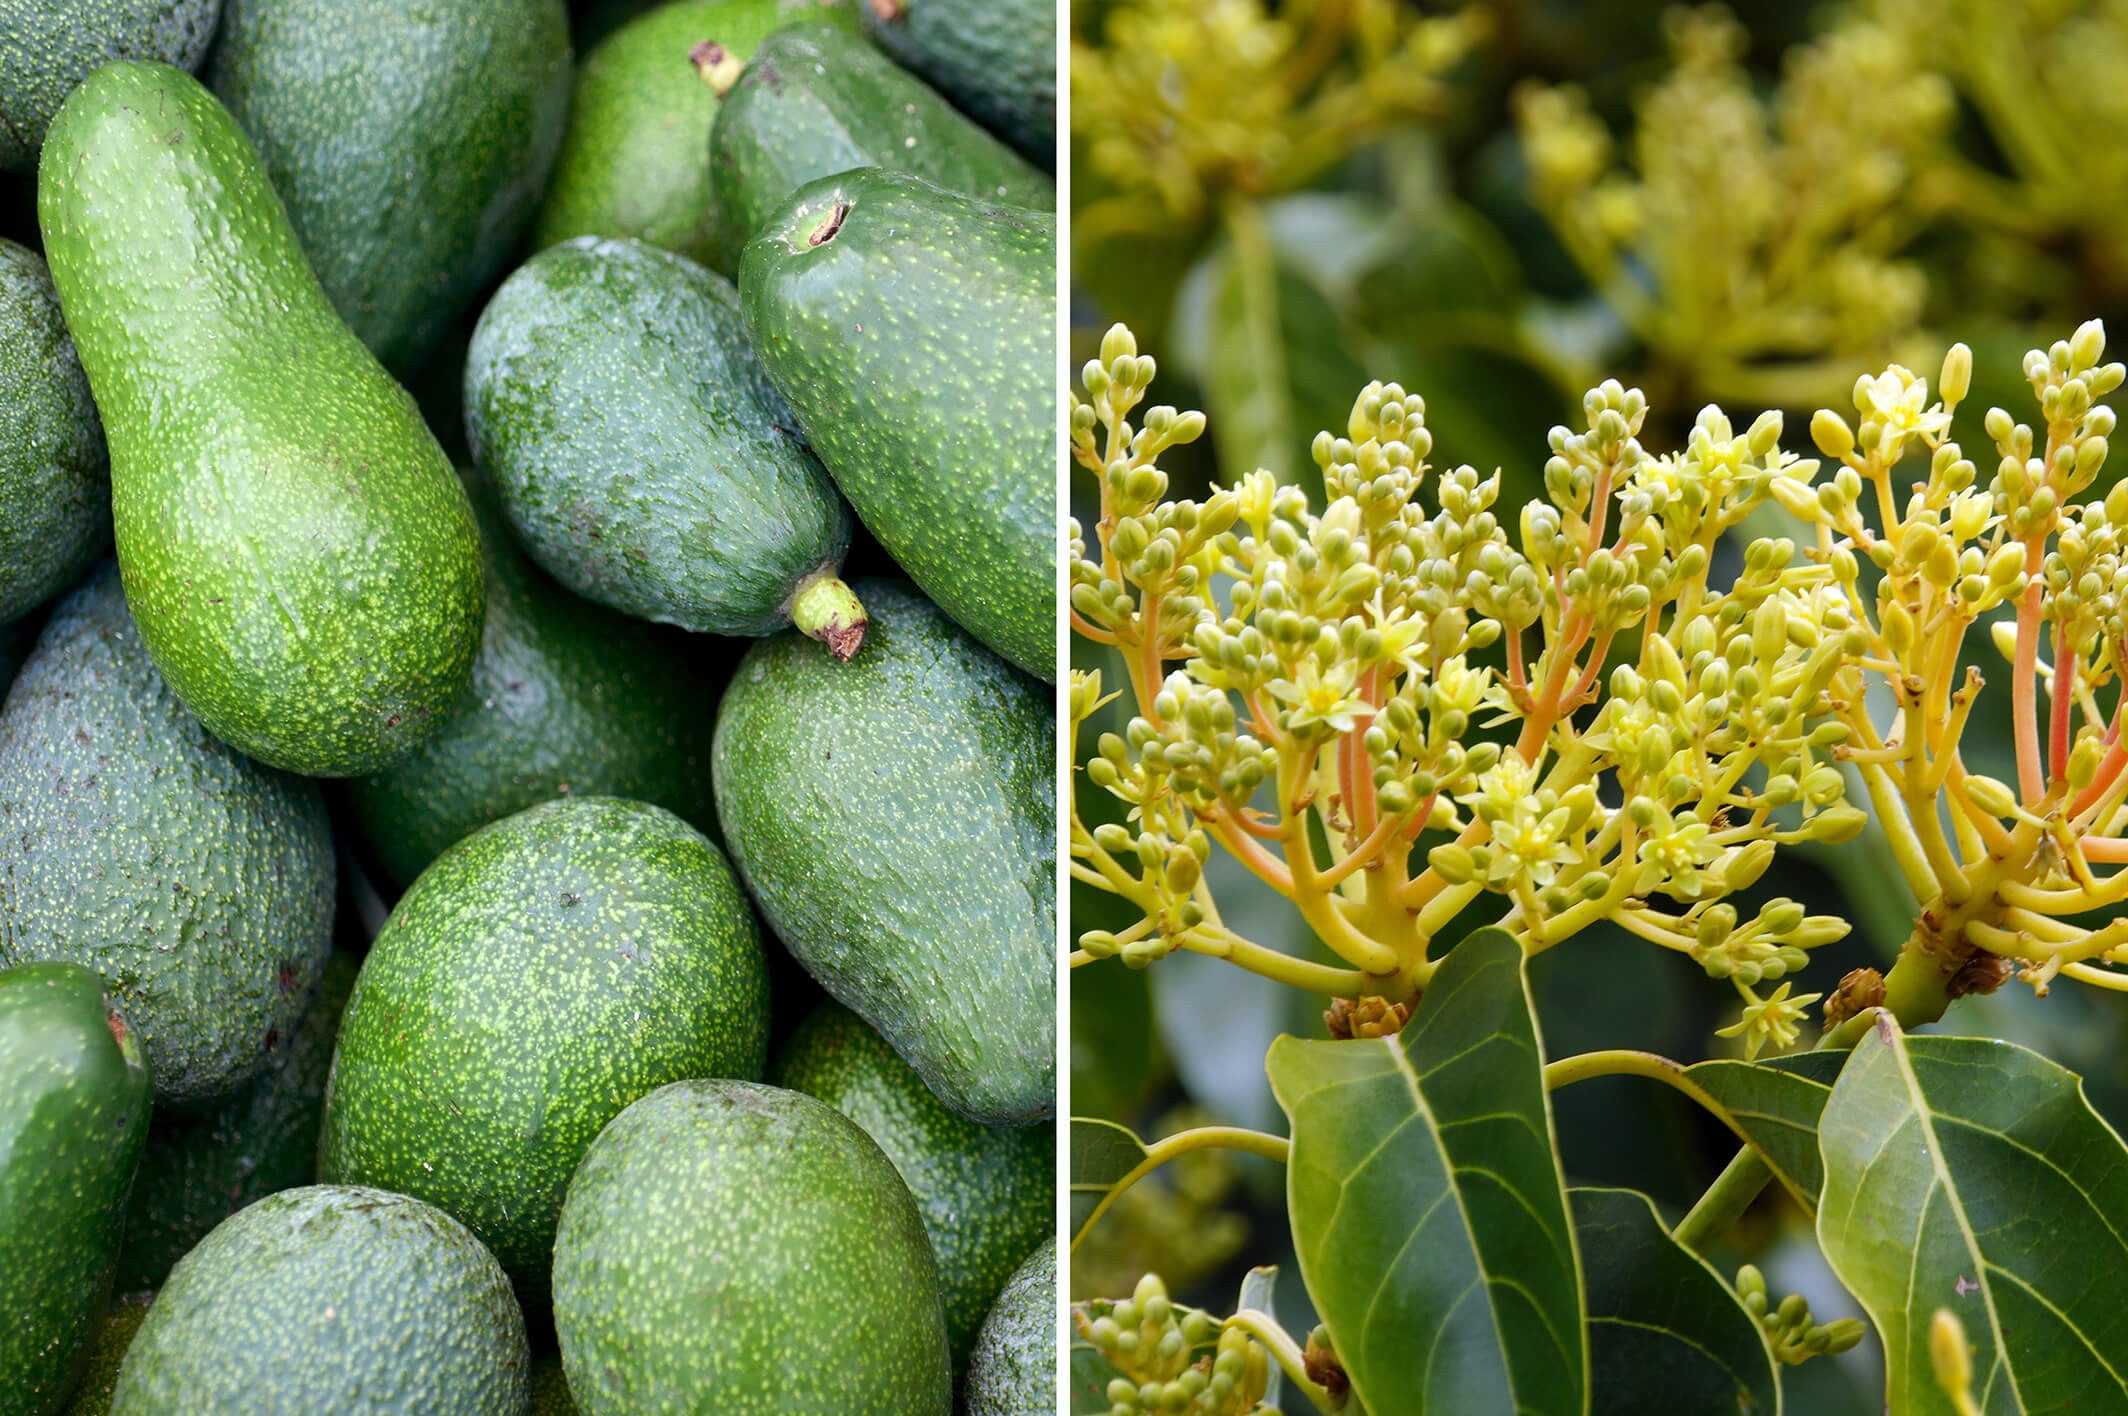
(1428, 1212)
(1101, 1154)
(1971, 1174)
(1665, 1332)
(1777, 1102)
(1258, 1288)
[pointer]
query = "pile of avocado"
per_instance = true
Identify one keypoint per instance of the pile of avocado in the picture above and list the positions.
(527, 765)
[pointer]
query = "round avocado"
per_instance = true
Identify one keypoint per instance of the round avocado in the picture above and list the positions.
(1014, 1367)
(55, 474)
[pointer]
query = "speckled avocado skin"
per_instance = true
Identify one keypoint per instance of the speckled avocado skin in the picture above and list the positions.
(639, 121)
(411, 143)
(895, 819)
(196, 881)
(567, 699)
(92, 1397)
(1015, 1362)
(201, 1166)
(542, 974)
(73, 1112)
(641, 453)
(917, 345)
(987, 1194)
(55, 477)
(331, 1298)
(550, 1389)
(996, 59)
(301, 559)
(737, 1249)
(816, 101)
(48, 46)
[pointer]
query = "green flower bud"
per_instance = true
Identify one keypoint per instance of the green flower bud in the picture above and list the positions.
(1837, 825)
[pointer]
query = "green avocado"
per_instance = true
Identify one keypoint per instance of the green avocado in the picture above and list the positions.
(410, 142)
(55, 476)
(895, 819)
(542, 974)
(333, 1299)
(113, 1336)
(914, 333)
(73, 1112)
(734, 1248)
(550, 1389)
(196, 881)
(1014, 1367)
(987, 1194)
(300, 557)
(996, 59)
(643, 457)
(633, 162)
(49, 46)
(567, 698)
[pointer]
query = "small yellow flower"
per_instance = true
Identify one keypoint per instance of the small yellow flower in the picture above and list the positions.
(1773, 1019)
(1316, 696)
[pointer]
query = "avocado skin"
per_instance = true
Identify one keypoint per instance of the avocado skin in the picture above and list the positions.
(996, 59)
(201, 1166)
(542, 974)
(1015, 1358)
(986, 1194)
(411, 144)
(815, 101)
(49, 46)
(331, 1298)
(894, 818)
(301, 560)
(92, 1397)
(735, 1248)
(550, 1389)
(196, 881)
(632, 161)
(917, 345)
(642, 455)
(567, 698)
(74, 1104)
(55, 476)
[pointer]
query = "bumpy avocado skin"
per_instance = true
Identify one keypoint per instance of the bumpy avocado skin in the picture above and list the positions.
(987, 1194)
(203, 1165)
(996, 59)
(196, 881)
(542, 974)
(816, 101)
(1015, 1360)
(895, 820)
(106, 1352)
(631, 162)
(299, 555)
(567, 699)
(74, 1104)
(49, 46)
(734, 1248)
(550, 1389)
(331, 1298)
(913, 331)
(641, 453)
(55, 476)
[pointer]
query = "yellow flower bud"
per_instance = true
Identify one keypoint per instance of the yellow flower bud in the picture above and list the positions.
(1831, 433)
(1957, 376)
(1898, 629)
(1990, 795)
(1837, 825)
(1949, 1355)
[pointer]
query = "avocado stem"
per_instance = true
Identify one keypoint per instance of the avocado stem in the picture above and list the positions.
(718, 66)
(825, 609)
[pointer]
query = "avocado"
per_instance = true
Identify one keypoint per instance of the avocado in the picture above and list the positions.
(197, 882)
(334, 1299)
(55, 476)
(411, 144)
(735, 1248)
(1013, 1372)
(203, 1165)
(299, 555)
(542, 974)
(815, 101)
(73, 1112)
(895, 819)
(49, 46)
(986, 1194)
(113, 1336)
(567, 699)
(996, 59)
(642, 455)
(913, 331)
(550, 1388)
(633, 162)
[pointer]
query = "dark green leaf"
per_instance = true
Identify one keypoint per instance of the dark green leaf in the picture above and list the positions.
(1102, 1153)
(1089, 1377)
(1969, 1174)
(1777, 1102)
(1428, 1214)
(1665, 1332)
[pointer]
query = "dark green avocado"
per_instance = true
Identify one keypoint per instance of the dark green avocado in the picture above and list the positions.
(55, 476)
(1014, 1367)
(49, 46)
(113, 1336)
(996, 59)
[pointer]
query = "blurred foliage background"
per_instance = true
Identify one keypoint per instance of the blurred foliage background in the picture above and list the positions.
(1498, 206)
